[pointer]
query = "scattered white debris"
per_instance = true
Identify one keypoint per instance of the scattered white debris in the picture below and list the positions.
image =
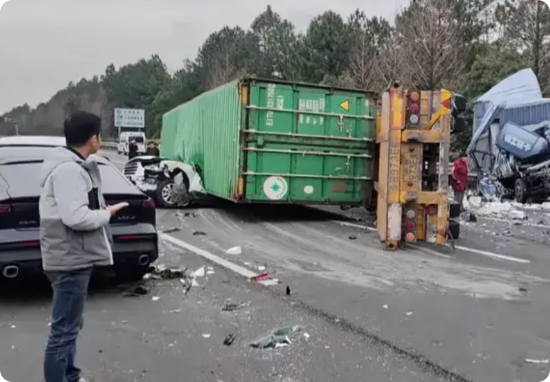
(206, 335)
(409, 313)
(235, 251)
(270, 282)
(306, 336)
(13, 326)
(199, 272)
(247, 264)
(146, 276)
(537, 361)
(517, 215)
(385, 307)
(155, 298)
(261, 268)
(210, 271)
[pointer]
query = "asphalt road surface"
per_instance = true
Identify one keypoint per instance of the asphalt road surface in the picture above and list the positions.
(479, 313)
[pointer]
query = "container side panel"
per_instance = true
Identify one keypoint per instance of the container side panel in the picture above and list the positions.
(309, 145)
(220, 121)
(168, 134)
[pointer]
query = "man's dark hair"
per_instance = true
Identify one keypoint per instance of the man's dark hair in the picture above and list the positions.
(80, 126)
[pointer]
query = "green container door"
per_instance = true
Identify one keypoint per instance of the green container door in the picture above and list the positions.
(308, 145)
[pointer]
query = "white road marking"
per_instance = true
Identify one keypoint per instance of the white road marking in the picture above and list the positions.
(428, 250)
(494, 255)
(509, 222)
(466, 249)
(210, 256)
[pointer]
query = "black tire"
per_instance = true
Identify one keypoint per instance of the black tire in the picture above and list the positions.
(454, 229)
(163, 194)
(520, 191)
(130, 273)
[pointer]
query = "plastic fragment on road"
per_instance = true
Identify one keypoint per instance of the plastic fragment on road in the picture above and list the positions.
(210, 271)
(537, 361)
(137, 291)
(206, 335)
(231, 307)
(261, 277)
(155, 298)
(269, 282)
(228, 341)
(199, 272)
(235, 251)
(261, 268)
(199, 233)
(276, 338)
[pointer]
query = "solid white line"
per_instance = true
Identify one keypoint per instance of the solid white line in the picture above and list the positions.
(524, 223)
(472, 250)
(210, 256)
(494, 255)
(430, 251)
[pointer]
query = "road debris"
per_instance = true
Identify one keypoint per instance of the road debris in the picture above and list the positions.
(210, 271)
(352, 237)
(139, 290)
(288, 291)
(537, 361)
(155, 298)
(228, 341)
(199, 272)
(171, 230)
(206, 335)
(261, 268)
(269, 282)
(276, 338)
(261, 277)
(235, 251)
(231, 307)
(163, 272)
(199, 233)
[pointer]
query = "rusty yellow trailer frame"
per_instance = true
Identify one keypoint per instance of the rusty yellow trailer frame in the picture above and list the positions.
(401, 165)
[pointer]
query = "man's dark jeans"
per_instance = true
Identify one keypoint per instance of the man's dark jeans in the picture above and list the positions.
(70, 290)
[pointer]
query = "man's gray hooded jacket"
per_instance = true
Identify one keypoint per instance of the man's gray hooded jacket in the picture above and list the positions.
(74, 226)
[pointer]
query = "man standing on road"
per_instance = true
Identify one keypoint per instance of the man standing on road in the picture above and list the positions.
(74, 237)
(132, 150)
(460, 179)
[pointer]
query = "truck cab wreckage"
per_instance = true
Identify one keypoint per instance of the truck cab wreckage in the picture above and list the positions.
(510, 146)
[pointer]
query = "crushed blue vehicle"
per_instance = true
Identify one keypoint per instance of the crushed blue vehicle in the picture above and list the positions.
(510, 146)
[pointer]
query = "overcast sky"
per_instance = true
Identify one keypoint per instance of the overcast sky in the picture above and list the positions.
(44, 44)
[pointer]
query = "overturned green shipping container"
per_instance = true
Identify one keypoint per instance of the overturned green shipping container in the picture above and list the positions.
(269, 141)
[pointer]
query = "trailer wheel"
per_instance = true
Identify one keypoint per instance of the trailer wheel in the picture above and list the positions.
(454, 229)
(520, 191)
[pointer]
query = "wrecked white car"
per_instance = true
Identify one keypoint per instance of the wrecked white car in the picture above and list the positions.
(170, 183)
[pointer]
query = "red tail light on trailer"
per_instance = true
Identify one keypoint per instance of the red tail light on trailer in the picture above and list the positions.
(5, 209)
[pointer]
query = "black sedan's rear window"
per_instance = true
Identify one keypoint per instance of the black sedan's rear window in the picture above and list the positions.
(26, 152)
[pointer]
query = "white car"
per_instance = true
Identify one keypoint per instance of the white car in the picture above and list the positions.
(170, 183)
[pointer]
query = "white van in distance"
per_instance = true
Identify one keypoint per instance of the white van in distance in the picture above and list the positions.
(128, 136)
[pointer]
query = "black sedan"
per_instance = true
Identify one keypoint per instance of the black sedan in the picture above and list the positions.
(134, 228)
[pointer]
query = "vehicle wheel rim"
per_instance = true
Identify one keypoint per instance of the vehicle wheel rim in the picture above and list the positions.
(166, 193)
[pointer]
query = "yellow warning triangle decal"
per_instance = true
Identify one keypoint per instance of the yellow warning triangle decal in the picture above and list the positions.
(345, 105)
